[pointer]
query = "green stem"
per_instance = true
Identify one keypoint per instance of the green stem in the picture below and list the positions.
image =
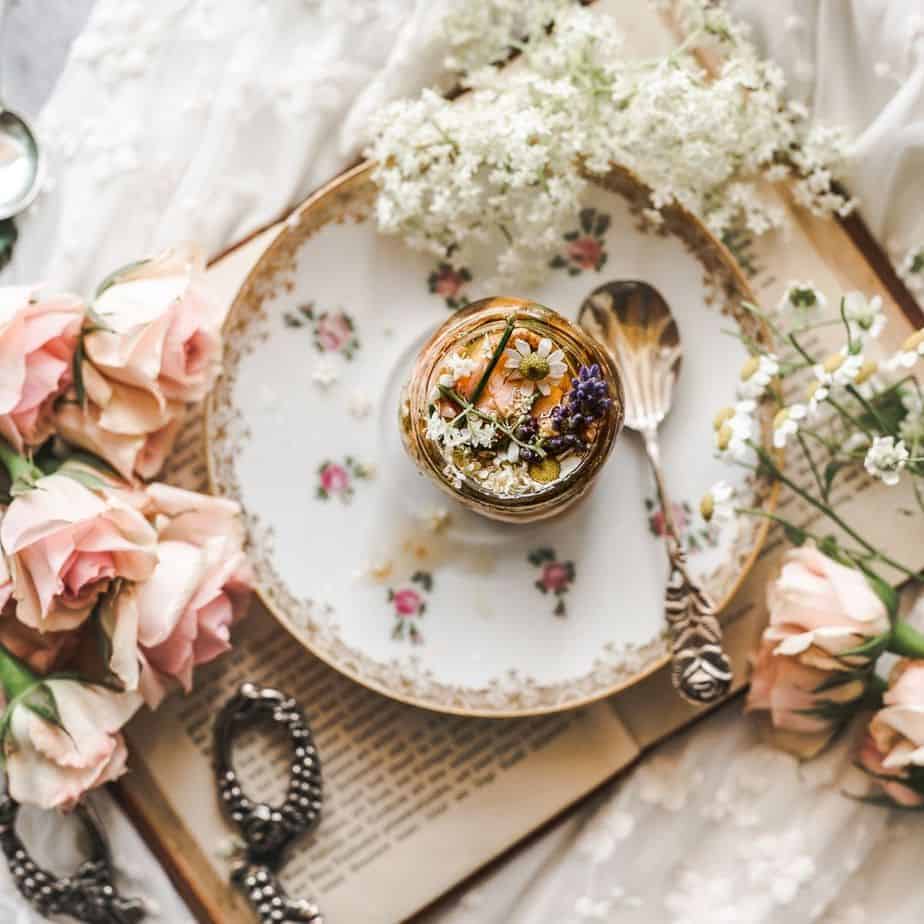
(17, 466)
(812, 465)
(906, 640)
(452, 395)
(767, 460)
(498, 350)
(15, 676)
(868, 407)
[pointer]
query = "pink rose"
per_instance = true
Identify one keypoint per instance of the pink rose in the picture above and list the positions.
(585, 252)
(160, 349)
(66, 544)
(52, 766)
(334, 478)
(818, 609)
(556, 576)
(38, 335)
(407, 602)
(894, 745)
(333, 331)
(180, 617)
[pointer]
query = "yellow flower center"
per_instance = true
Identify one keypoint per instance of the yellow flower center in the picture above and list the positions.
(833, 362)
(724, 415)
(707, 506)
(781, 418)
(749, 368)
(724, 436)
(914, 341)
(867, 371)
(812, 389)
(534, 367)
(545, 471)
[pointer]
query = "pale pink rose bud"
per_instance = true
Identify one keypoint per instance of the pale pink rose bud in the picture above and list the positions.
(52, 766)
(819, 610)
(894, 745)
(38, 336)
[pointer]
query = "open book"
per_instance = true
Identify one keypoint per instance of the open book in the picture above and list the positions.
(415, 801)
(414, 797)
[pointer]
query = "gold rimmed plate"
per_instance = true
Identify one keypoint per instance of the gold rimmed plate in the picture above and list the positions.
(384, 577)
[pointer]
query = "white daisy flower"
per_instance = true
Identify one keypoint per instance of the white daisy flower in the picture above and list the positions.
(864, 317)
(734, 427)
(718, 503)
(756, 375)
(911, 351)
(540, 368)
(816, 394)
(885, 459)
(786, 424)
(840, 368)
(801, 296)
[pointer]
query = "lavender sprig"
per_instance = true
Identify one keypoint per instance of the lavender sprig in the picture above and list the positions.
(587, 401)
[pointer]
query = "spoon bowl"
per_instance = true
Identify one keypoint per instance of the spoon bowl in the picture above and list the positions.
(20, 164)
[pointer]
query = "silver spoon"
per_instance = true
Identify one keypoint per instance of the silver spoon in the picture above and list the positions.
(635, 323)
(20, 156)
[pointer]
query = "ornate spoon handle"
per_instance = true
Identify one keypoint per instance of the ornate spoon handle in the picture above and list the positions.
(700, 669)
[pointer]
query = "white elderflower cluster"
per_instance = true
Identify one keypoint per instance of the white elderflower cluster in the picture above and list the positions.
(504, 169)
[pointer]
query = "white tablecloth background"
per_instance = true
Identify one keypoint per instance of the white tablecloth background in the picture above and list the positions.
(203, 119)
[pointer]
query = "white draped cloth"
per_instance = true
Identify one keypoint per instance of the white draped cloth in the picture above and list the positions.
(204, 119)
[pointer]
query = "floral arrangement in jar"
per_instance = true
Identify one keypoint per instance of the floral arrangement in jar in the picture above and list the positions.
(508, 404)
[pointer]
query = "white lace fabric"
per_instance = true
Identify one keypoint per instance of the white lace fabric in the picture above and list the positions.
(204, 119)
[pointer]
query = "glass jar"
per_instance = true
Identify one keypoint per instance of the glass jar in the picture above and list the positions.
(512, 409)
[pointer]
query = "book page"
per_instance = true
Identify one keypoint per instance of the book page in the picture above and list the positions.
(411, 796)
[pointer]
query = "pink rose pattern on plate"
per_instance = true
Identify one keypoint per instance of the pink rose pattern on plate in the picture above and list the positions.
(449, 283)
(585, 247)
(408, 606)
(555, 576)
(336, 479)
(695, 539)
(333, 331)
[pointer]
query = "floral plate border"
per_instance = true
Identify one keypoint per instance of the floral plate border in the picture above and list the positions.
(349, 197)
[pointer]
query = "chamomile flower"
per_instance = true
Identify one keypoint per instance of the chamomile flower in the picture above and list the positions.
(911, 351)
(756, 375)
(816, 394)
(864, 317)
(540, 368)
(840, 368)
(718, 503)
(734, 428)
(786, 424)
(885, 459)
(801, 296)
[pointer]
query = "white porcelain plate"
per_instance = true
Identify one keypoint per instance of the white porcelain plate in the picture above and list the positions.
(366, 562)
